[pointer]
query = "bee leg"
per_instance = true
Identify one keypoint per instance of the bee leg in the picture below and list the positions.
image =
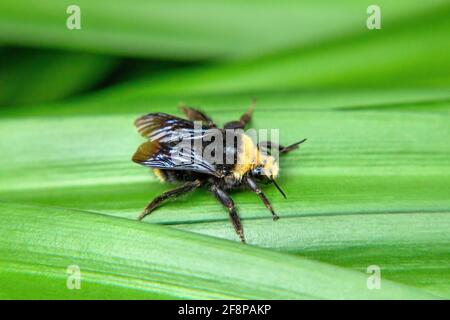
(171, 194)
(268, 145)
(254, 187)
(196, 115)
(227, 202)
(245, 118)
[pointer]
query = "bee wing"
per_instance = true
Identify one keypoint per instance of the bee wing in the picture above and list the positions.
(166, 129)
(169, 144)
(175, 157)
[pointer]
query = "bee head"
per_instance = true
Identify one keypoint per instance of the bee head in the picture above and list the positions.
(266, 172)
(267, 169)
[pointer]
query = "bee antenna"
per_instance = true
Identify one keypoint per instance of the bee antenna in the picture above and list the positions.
(297, 143)
(278, 187)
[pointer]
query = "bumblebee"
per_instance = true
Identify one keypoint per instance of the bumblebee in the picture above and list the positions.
(172, 160)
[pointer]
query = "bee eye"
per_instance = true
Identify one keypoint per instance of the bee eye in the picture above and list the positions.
(257, 171)
(258, 174)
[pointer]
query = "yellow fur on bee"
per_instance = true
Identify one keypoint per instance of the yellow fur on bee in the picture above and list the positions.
(270, 167)
(159, 175)
(249, 157)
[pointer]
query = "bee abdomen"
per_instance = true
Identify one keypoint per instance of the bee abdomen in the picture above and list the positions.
(176, 175)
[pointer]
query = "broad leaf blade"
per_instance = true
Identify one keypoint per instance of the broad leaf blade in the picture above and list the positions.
(194, 29)
(348, 166)
(26, 75)
(152, 262)
(408, 247)
(398, 56)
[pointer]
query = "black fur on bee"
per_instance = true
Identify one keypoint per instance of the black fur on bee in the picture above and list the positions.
(243, 164)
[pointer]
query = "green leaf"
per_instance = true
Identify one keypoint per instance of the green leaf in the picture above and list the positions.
(409, 247)
(124, 259)
(372, 177)
(399, 56)
(26, 75)
(370, 186)
(195, 29)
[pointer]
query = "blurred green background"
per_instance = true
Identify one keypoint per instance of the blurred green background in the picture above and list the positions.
(371, 186)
